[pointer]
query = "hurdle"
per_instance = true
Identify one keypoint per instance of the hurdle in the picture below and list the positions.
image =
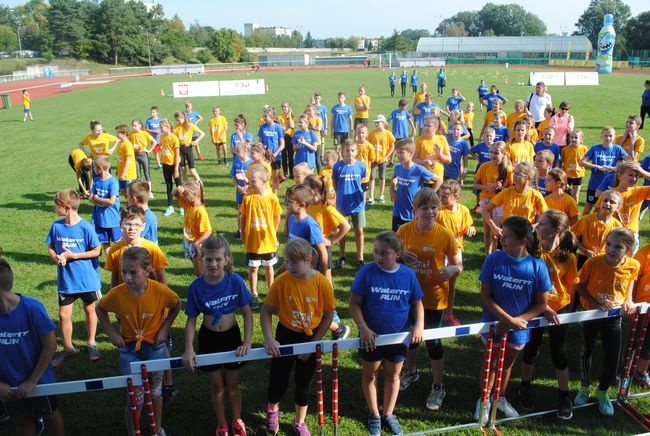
(319, 388)
(335, 388)
(497, 382)
(133, 407)
(485, 395)
(149, 400)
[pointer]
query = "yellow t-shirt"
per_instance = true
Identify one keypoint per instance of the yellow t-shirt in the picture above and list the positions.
(327, 217)
(261, 214)
(99, 144)
(605, 282)
(565, 203)
(642, 287)
(431, 248)
(316, 125)
(140, 317)
(520, 152)
(367, 156)
(489, 173)
(218, 127)
(511, 119)
(529, 204)
(283, 120)
(425, 149)
(533, 136)
(563, 275)
(457, 222)
(630, 210)
(124, 151)
(593, 233)
(327, 172)
(639, 145)
(418, 98)
(266, 165)
(468, 119)
(140, 140)
(26, 101)
(571, 157)
(185, 134)
(196, 220)
(542, 126)
(78, 156)
(114, 256)
(383, 141)
(301, 303)
(169, 143)
(359, 100)
(489, 117)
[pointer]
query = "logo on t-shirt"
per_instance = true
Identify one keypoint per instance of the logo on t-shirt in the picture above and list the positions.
(12, 338)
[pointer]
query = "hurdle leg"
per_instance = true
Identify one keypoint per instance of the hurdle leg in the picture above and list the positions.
(485, 394)
(627, 360)
(335, 388)
(319, 388)
(497, 381)
(640, 339)
(148, 399)
(133, 407)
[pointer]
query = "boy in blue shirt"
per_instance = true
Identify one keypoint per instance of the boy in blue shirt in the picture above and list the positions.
(492, 96)
(459, 149)
(347, 175)
(500, 130)
(392, 79)
(27, 344)
(321, 111)
(482, 91)
(137, 194)
(341, 120)
(481, 152)
(425, 108)
(403, 80)
(74, 246)
(453, 102)
(195, 118)
(152, 125)
(105, 196)
(408, 179)
(401, 119)
(547, 144)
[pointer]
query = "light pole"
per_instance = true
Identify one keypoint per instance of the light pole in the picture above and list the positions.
(148, 46)
(18, 19)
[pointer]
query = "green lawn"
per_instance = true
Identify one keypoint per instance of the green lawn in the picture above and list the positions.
(35, 167)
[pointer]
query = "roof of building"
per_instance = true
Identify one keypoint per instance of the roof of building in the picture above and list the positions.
(483, 44)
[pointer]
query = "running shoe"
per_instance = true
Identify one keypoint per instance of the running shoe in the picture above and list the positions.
(391, 422)
(382, 199)
(61, 356)
(222, 430)
(374, 425)
(272, 424)
(604, 403)
(407, 379)
(168, 211)
(434, 400)
(342, 332)
(93, 353)
(582, 397)
(371, 201)
(238, 428)
(486, 412)
(506, 408)
(255, 303)
(642, 379)
(300, 428)
(564, 409)
(451, 320)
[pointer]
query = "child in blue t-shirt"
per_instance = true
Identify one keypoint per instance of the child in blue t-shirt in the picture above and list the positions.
(341, 120)
(305, 143)
(453, 102)
(602, 159)
(152, 126)
(425, 108)
(401, 119)
(74, 246)
(240, 134)
(403, 80)
(105, 195)
(414, 81)
(347, 175)
(482, 91)
(645, 164)
(271, 135)
(138, 194)
(217, 294)
(392, 79)
(514, 286)
(547, 144)
(501, 132)
(241, 160)
(321, 111)
(408, 179)
(459, 149)
(492, 96)
(481, 152)
(28, 344)
(384, 298)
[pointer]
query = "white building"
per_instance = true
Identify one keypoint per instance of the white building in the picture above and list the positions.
(249, 28)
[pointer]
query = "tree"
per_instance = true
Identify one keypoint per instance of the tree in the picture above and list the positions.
(591, 20)
(510, 20)
(227, 45)
(118, 36)
(637, 32)
(470, 21)
(201, 34)
(397, 42)
(309, 41)
(176, 39)
(415, 34)
(68, 24)
(8, 39)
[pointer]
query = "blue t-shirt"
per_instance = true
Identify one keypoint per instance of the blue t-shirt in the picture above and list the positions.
(153, 124)
(482, 150)
(541, 186)
(106, 217)
(442, 76)
(392, 79)
(80, 275)
(150, 232)
(607, 182)
(193, 116)
(458, 150)
(501, 133)
(20, 341)
(645, 97)
(482, 91)
(238, 171)
(414, 79)
(554, 148)
(270, 137)
(514, 285)
(400, 120)
(490, 98)
(454, 103)
(403, 78)
(387, 297)
(234, 138)
(347, 181)
(425, 111)
(321, 111)
(307, 229)
(303, 154)
(409, 182)
(218, 299)
(341, 114)
(645, 164)
(599, 155)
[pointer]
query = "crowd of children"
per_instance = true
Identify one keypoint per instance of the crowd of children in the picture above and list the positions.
(527, 186)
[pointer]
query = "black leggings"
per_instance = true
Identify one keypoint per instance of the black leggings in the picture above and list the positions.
(142, 164)
(392, 90)
(187, 157)
(645, 110)
(610, 338)
(168, 174)
(84, 175)
(287, 156)
(403, 89)
(281, 369)
(557, 339)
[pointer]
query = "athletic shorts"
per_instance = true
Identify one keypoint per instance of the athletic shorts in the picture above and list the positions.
(358, 219)
(35, 406)
(86, 297)
(125, 183)
(497, 344)
(398, 222)
(265, 259)
(27, 110)
(394, 353)
(340, 138)
(187, 157)
(591, 197)
(378, 168)
(364, 186)
(219, 342)
(497, 212)
(147, 351)
(188, 249)
(108, 234)
(432, 320)
(156, 148)
(574, 181)
(358, 121)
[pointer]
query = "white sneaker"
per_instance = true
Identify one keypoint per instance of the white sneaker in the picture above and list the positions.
(486, 411)
(371, 201)
(435, 398)
(168, 211)
(407, 379)
(506, 408)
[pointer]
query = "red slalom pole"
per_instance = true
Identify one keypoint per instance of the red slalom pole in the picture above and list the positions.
(485, 394)
(335, 388)
(627, 361)
(497, 381)
(319, 387)
(640, 339)
(133, 407)
(148, 400)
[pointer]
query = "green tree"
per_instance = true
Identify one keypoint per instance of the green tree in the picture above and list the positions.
(396, 42)
(591, 20)
(8, 39)
(510, 20)
(415, 34)
(68, 24)
(118, 35)
(637, 32)
(201, 34)
(227, 45)
(309, 41)
(470, 21)
(176, 39)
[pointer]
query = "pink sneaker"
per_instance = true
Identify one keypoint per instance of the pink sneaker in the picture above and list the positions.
(222, 430)
(238, 428)
(301, 429)
(272, 425)
(451, 320)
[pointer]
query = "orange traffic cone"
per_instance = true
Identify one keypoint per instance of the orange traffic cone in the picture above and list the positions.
(266, 88)
(162, 92)
(505, 80)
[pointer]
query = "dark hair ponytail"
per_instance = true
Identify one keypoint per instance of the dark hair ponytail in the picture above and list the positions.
(523, 229)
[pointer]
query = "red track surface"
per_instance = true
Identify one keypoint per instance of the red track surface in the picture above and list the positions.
(39, 88)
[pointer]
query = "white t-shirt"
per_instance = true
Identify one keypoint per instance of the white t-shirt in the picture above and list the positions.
(537, 104)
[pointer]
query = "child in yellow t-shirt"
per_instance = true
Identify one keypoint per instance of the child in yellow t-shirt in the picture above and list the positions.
(126, 171)
(383, 141)
(518, 114)
(331, 157)
(218, 126)
(572, 154)
(141, 139)
(432, 150)
(259, 221)
(543, 163)
(146, 310)
(558, 198)
(261, 155)
(606, 282)
(303, 300)
(196, 221)
(98, 141)
(631, 142)
(519, 148)
(642, 295)
(361, 107)
(170, 160)
(468, 120)
(26, 106)
(366, 153)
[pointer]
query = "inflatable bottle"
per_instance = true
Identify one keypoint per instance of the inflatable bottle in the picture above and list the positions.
(606, 40)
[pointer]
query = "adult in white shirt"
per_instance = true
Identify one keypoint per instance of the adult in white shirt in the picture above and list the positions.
(537, 102)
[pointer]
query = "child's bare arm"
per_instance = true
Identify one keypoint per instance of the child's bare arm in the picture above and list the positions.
(105, 322)
(48, 343)
(164, 329)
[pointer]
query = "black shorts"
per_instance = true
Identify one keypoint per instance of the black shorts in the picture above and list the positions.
(397, 223)
(340, 138)
(86, 297)
(187, 157)
(219, 342)
(574, 181)
(591, 197)
(35, 406)
(364, 186)
(276, 164)
(432, 320)
(395, 353)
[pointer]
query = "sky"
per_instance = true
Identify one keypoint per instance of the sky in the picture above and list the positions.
(360, 18)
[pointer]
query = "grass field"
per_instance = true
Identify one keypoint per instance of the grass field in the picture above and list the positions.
(35, 166)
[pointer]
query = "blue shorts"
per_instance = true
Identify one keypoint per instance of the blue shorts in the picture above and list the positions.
(108, 234)
(125, 183)
(146, 352)
(188, 249)
(27, 110)
(394, 353)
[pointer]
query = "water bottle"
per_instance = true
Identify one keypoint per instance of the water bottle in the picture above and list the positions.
(606, 40)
